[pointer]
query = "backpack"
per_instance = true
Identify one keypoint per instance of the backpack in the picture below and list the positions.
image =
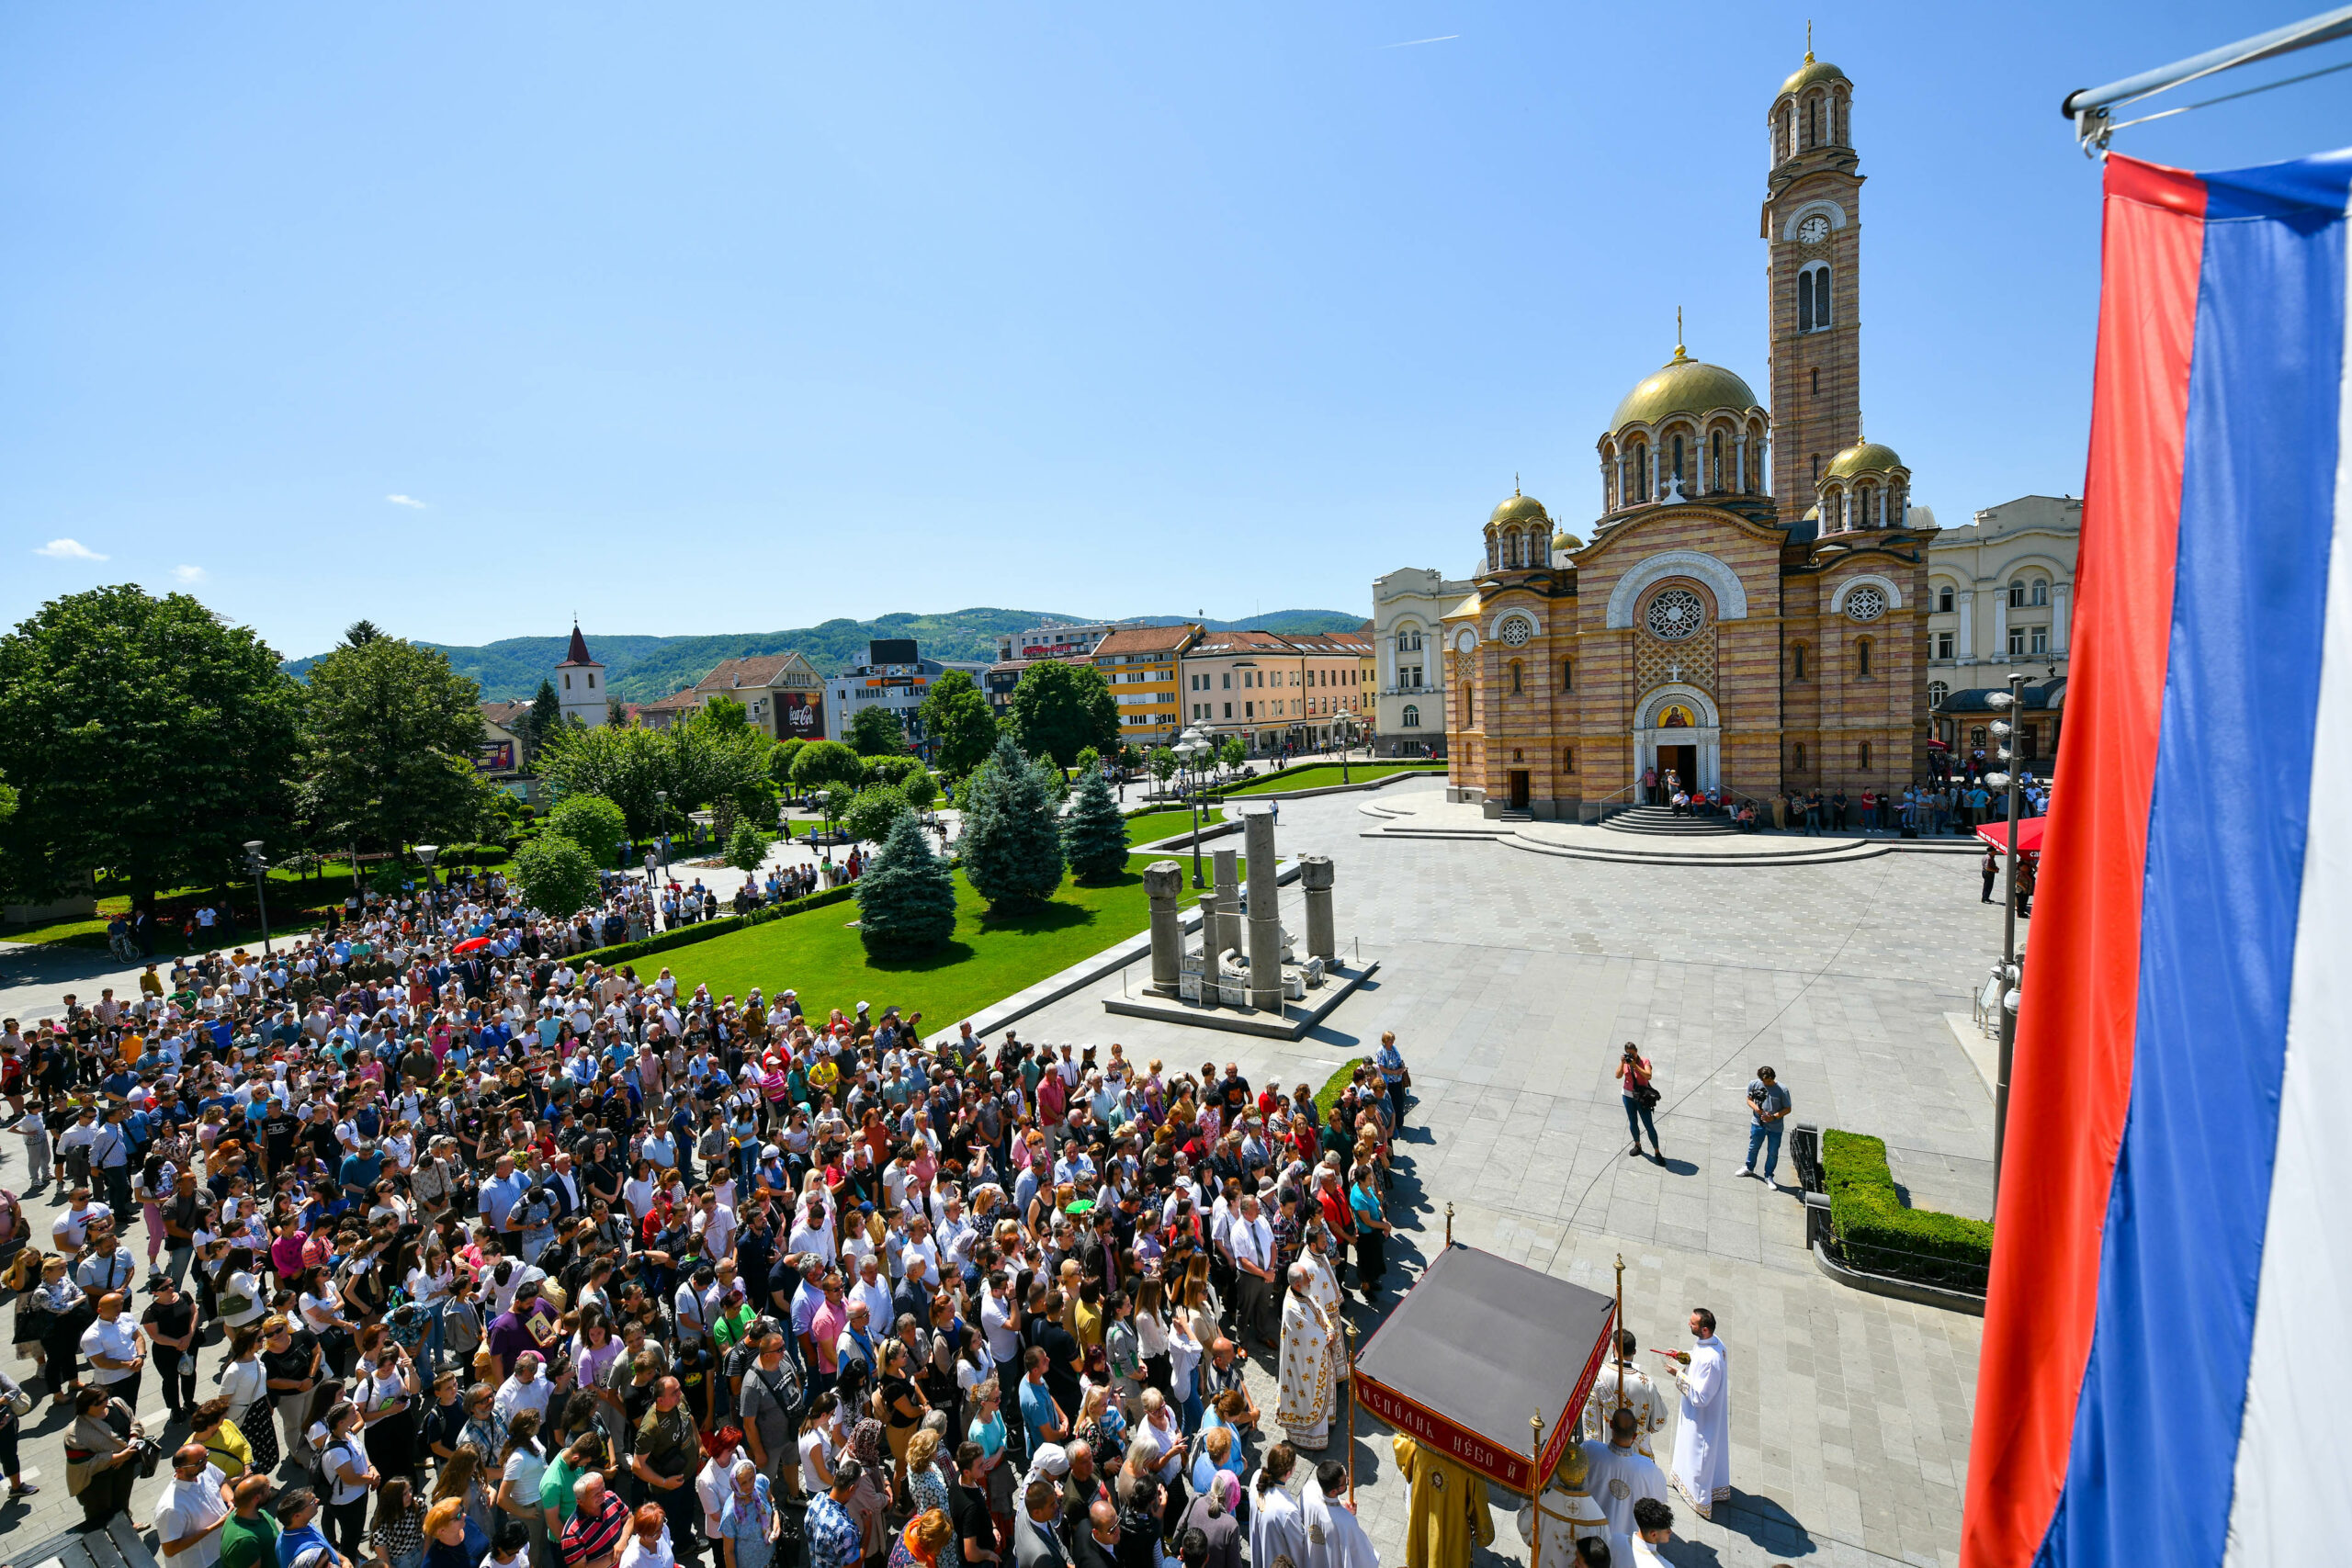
(322, 1481)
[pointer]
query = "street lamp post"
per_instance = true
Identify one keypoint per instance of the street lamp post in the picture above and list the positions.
(1190, 750)
(425, 855)
(2011, 702)
(261, 893)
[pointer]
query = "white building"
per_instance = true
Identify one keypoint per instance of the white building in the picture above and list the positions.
(2001, 592)
(896, 676)
(1409, 717)
(579, 683)
(1056, 639)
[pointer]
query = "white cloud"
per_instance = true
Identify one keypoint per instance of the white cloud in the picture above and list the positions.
(188, 574)
(405, 500)
(67, 549)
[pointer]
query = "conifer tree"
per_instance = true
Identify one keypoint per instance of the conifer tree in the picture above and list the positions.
(1012, 846)
(1094, 836)
(906, 897)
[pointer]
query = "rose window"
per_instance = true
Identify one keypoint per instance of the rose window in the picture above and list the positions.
(1517, 630)
(1865, 604)
(1676, 614)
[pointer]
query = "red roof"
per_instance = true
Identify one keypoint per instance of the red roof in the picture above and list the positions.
(578, 653)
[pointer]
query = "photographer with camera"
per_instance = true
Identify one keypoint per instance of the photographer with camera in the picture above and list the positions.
(105, 1452)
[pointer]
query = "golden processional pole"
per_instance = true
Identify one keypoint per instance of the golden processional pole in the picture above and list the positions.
(1449, 1224)
(1349, 1329)
(1537, 1481)
(1624, 1399)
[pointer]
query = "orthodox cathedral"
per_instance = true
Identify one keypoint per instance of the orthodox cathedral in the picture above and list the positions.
(1752, 609)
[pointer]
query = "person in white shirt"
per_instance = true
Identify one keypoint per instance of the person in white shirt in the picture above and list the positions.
(116, 1348)
(190, 1510)
(874, 1291)
(523, 1389)
(1652, 1527)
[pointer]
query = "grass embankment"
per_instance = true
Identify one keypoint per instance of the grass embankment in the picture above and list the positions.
(1153, 826)
(1321, 775)
(819, 956)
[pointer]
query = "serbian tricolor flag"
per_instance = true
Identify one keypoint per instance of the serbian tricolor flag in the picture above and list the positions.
(2166, 1374)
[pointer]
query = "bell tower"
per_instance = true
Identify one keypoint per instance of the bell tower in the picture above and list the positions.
(1813, 233)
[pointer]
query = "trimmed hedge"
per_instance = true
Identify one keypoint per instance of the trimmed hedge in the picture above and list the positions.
(1880, 1235)
(702, 930)
(1337, 1083)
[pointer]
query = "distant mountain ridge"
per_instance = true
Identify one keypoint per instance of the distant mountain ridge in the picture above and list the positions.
(642, 668)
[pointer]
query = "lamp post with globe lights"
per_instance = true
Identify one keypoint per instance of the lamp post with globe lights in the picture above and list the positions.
(2010, 703)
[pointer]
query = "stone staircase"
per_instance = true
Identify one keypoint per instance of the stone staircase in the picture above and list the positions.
(1662, 820)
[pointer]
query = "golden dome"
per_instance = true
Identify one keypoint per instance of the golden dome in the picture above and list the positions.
(1519, 508)
(1684, 386)
(1566, 541)
(1812, 70)
(1862, 457)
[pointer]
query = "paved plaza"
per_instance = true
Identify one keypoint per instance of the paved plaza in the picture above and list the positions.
(1511, 978)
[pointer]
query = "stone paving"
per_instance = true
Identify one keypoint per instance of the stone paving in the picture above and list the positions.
(1510, 979)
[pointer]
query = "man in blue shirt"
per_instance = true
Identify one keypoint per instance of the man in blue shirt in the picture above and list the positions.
(1769, 1107)
(361, 1170)
(1040, 1416)
(501, 1193)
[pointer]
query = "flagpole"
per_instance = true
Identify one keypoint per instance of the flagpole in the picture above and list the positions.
(1536, 1482)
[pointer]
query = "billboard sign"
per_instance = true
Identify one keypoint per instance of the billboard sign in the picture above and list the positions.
(804, 715)
(494, 757)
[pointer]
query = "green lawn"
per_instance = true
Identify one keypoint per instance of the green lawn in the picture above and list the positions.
(1320, 774)
(819, 954)
(1153, 826)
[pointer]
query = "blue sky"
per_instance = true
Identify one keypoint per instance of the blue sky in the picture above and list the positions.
(704, 319)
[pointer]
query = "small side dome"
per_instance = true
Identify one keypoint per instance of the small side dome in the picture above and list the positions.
(1812, 70)
(1863, 458)
(1566, 541)
(1519, 508)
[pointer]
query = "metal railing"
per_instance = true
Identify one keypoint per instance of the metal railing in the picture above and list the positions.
(1601, 810)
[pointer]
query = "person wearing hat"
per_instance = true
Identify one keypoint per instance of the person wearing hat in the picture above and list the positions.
(1570, 1513)
(170, 1323)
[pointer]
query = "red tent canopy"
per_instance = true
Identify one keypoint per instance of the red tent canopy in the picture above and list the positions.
(2030, 831)
(472, 945)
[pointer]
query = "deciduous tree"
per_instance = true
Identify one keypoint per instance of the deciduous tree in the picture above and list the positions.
(1058, 711)
(556, 875)
(594, 823)
(959, 724)
(875, 732)
(389, 737)
(146, 738)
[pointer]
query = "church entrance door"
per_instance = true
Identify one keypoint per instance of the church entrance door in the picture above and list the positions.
(1519, 789)
(1683, 761)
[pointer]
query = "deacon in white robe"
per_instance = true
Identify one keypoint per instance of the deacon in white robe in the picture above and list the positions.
(1277, 1528)
(1325, 1287)
(1638, 1395)
(1335, 1539)
(1570, 1513)
(1703, 1436)
(1309, 1389)
(1617, 1477)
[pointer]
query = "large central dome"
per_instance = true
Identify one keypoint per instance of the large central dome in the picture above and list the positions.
(1684, 386)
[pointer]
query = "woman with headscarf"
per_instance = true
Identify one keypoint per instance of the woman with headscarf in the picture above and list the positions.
(749, 1522)
(871, 1499)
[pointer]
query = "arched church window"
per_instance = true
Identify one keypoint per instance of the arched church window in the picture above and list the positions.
(1943, 600)
(1796, 756)
(1716, 460)
(1568, 761)
(1641, 476)
(1804, 302)
(1865, 757)
(1812, 123)
(1796, 661)
(1518, 678)
(1469, 706)
(1863, 662)
(1494, 554)
(1567, 675)
(1412, 716)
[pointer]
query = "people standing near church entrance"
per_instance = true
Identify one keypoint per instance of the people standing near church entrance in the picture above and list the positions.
(1633, 1075)
(1703, 1436)
(1768, 1109)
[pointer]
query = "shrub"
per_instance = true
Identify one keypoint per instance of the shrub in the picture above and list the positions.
(906, 895)
(1095, 837)
(594, 823)
(891, 769)
(1880, 1235)
(872, 811)
(556, 875)
(921, 788)
(747, 848)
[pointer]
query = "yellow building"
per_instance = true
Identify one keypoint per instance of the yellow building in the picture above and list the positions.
(1139, 662)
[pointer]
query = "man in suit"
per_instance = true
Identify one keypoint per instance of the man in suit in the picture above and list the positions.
(1035, 1542)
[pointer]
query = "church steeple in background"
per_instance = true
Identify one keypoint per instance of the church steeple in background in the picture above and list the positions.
(1812, 228)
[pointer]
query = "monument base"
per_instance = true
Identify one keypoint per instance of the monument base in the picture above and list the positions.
(1292, 1022)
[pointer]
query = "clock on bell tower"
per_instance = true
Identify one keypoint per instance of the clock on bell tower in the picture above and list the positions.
(1812, 227)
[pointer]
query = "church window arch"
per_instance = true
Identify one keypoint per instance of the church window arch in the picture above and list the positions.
(2040, 594)
(1518, 678)
(1796, 756)
(1678, 477)
(1812, 122)
(1494, 552)
(1567, 675)
(1715, 461)
(1412, 716)
(1797, 652)
(1469, 705)
(1864, 756)
(1816, 308)
(2017, 593)
(1863, 661)
(1641, 472)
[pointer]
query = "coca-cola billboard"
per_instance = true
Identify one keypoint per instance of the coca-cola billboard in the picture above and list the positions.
(804, 715)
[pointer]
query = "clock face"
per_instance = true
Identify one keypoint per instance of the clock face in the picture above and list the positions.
(1813, 230)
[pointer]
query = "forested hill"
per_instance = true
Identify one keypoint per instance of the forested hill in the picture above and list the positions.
(641, 669)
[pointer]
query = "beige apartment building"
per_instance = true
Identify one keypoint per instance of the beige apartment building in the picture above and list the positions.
(1274, 690)
(2001, 592)
(783, 693)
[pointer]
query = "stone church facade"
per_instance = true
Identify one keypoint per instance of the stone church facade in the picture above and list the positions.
(1751, 608)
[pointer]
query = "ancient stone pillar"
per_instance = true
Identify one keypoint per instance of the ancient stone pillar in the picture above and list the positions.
(1227, 937)
(1265, 914)
(1163, 880)
(1315, 875)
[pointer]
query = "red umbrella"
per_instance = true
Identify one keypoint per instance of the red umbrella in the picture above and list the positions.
(2030, 831)
(472, 945)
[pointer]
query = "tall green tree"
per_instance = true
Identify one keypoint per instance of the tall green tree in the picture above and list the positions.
(1094, 836)
(1012, 846)
(1058, 711)
(541, 721)
(360, 633)
(823, 762)
(959, 724)
(625, 765)
(781, 757)
(146, 738)
(875, 731)
(718, 761)
(906, 895)
(747, 847)
(873, 810)
(389, 737)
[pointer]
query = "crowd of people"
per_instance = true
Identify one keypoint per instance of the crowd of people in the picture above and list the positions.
(1937, 808)
(526, 1260)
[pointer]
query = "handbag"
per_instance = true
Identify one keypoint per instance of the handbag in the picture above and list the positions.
(20, 1404)
(1647, 1096)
